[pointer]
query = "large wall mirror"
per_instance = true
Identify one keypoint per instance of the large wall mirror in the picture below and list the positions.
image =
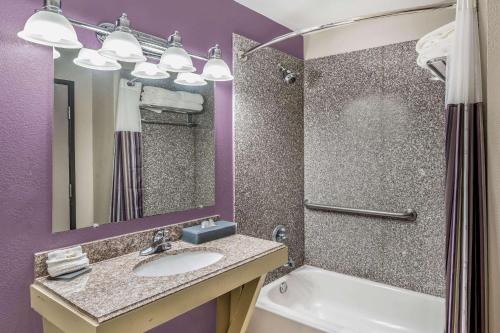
(126, 147)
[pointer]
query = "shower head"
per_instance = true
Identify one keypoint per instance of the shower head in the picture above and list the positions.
(288, 76)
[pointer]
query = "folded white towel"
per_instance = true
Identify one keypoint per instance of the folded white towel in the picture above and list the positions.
(51, 262)
(154, 110)
(190, 97)
(172, 103)
(57, 269)
(63, 254)
(429, 55)
(186, 105)
(175, 104)
(66, 260)
(436, 44)
(158, 94)
(441, 37)
(155, 92)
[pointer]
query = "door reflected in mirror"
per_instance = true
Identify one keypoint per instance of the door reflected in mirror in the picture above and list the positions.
(126, 147)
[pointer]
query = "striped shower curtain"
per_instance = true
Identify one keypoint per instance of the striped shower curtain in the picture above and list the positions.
(126, 201)
(465, 180)
(127, 193)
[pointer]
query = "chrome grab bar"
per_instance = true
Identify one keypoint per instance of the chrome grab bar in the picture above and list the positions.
(409, 215)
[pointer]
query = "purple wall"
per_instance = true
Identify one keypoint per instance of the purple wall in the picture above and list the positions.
(25, 136)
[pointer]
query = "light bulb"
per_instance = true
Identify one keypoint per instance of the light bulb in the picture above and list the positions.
(216, 69)
(147, 70)
(91, 59)
(190, 79)
(121, 44)
(49, 27)
(175, 58)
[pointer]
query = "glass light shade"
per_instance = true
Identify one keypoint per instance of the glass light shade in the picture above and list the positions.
(55, 54)
(216, 70)
(51, 29)
(122, 46)
(190, 79)
(92, 59)
(147, 70)
(176, 59)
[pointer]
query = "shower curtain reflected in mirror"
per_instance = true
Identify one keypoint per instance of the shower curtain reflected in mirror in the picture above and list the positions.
(127, 200)
(127, 194)
(465, 180)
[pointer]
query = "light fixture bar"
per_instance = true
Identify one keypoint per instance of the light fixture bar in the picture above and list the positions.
(153, 46)
(244, 54)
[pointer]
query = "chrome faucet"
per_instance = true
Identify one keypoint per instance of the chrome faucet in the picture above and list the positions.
(280, 235)
(161, 243)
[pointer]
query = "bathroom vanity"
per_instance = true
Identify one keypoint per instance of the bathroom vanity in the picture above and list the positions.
(133, 136)
(120, 295)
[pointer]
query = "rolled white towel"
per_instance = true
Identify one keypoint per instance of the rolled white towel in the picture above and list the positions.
(56, 269)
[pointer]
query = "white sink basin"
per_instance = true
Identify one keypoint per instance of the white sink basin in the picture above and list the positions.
(171, 264)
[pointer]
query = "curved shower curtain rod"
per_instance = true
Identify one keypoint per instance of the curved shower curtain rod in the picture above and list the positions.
(244, 54)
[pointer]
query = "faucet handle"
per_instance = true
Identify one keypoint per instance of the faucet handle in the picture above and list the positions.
(161, 242)
(159, 236)
(167, 237)
(279, 234)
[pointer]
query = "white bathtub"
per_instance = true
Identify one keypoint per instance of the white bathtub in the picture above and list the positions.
(322, 301)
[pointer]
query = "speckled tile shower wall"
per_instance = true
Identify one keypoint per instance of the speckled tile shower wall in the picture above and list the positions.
(269, 142)
(374, 138)
(178, 161)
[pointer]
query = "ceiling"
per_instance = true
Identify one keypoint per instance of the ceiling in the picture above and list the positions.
(298, 14)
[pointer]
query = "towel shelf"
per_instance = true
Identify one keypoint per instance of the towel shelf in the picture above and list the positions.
(156, 108)
(172, 123)
(438, 68)
(409, 215)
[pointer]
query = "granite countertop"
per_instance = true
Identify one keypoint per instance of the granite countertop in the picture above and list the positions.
(112, 288)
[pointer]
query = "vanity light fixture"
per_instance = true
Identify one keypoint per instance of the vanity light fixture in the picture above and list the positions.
(190, 79)
(49, 27)
(91, 59)
(175, 58)
(216, 69)
(121, 44)
(55, 54)
(147, 70)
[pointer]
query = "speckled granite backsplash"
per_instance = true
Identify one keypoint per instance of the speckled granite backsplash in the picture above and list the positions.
(374, 138)
(107, 248)
(269, 141)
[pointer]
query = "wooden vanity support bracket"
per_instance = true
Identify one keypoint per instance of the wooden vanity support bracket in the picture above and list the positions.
(236, 291)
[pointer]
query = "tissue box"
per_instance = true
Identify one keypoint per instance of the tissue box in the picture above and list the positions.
(198, 235)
